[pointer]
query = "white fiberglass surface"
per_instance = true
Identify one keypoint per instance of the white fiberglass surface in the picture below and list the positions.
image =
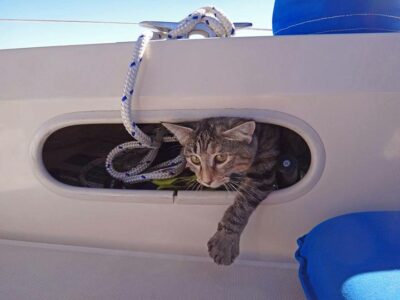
(42, 271)
(345, 87)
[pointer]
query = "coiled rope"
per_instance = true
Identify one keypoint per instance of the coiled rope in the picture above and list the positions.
(222, 27)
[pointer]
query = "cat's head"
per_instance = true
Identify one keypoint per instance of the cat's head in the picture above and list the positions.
(217, 148)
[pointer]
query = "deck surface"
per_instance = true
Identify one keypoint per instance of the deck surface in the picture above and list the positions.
(42, 271)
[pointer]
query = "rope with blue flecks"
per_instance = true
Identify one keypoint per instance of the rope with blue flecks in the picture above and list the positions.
(222, 27)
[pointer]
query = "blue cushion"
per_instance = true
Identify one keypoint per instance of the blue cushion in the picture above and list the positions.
(355, 256)
(335, 16)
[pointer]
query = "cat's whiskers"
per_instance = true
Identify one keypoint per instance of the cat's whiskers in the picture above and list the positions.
(191, 184)
(235, 188)
(231, 187)
(242, 191)
(196, 186)
(248, 190)
(249, 185)
(227, 188)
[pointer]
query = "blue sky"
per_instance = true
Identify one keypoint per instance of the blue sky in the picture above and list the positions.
(21, 35)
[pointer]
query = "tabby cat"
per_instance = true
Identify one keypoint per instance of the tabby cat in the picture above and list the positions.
(240, 155)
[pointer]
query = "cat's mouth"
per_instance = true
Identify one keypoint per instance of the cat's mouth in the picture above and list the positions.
(215, 184)
(212, 185)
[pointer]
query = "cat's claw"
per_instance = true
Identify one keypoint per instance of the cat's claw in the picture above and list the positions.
(224, 247)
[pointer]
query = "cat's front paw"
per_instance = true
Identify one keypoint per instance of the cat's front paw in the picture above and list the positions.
(223, 247)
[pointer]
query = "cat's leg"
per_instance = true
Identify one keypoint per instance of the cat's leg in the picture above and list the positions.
(223, 247)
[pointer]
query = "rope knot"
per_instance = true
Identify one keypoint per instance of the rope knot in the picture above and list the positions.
(213, 18)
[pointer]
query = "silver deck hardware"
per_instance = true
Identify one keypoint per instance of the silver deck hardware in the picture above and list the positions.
(200, 28)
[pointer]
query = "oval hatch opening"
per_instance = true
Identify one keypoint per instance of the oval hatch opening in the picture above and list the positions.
(75, 156)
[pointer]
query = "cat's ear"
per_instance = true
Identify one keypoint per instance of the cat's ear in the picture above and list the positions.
(180, 132)
(241, 133)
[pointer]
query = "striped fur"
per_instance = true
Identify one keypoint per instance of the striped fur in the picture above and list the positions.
(239, 155)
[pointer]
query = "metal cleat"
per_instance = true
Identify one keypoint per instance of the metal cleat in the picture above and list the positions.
(161, 29)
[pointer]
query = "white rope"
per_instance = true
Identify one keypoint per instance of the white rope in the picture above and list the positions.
(222, 27)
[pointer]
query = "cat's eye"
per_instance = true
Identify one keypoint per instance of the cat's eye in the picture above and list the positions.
(221, 158)
(195, 159)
